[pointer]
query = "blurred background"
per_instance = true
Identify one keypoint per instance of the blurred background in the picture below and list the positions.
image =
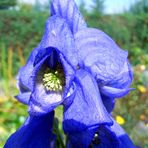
(21, 28)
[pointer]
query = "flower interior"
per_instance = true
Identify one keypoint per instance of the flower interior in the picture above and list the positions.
(53, 79)
(96, 140)
(51, 74)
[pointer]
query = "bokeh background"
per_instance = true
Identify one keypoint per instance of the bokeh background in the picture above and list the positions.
(21, 28)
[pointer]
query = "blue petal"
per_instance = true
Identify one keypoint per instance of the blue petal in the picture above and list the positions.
(69, 11)
(124, 78)
(81, 139)
(114, 92)
(23, 97)
(42, 101)
(25, 72)
(86, 108)
(35, 133)
(100, 55)
(59, 37)
(24, 84)
(125, 141)
(109, 103)
(106, 138)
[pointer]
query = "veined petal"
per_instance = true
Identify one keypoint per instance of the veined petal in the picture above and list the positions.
(43, 102)
(125, 141)
(86, 108)
(25, 72)
(36, 132)
(23, 77)
(99, 54)
(58, 36)
(124, 78)
(68, 10)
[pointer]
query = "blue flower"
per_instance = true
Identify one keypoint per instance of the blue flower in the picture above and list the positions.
(82, 69)
(108, 64)
(35, 132)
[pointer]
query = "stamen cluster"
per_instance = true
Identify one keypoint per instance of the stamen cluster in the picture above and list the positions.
(53, 80)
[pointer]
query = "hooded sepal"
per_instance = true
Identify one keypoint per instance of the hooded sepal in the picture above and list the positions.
(68, 10)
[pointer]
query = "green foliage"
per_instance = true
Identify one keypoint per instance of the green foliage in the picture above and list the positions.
(4, 4)
(82, 7)
(25, 7)
(4, 68)
(61, 138)
(140, 6)
(38, 6)
(12, 116)
(21, 29)
(97, 7)
(3, 61)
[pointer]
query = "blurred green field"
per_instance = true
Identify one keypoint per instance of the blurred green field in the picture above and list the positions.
(21, 31)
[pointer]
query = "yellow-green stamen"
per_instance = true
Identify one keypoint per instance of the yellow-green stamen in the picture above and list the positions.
(54, 80)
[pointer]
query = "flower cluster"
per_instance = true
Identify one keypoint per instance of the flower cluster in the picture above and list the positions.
(80, 68)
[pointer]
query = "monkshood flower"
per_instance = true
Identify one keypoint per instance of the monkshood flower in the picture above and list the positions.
(84, 70)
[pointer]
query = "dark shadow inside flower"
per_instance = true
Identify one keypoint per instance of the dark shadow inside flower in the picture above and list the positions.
(104, 138)
(51, 74)
(92, 137)
(50, 79)
(80, 137)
